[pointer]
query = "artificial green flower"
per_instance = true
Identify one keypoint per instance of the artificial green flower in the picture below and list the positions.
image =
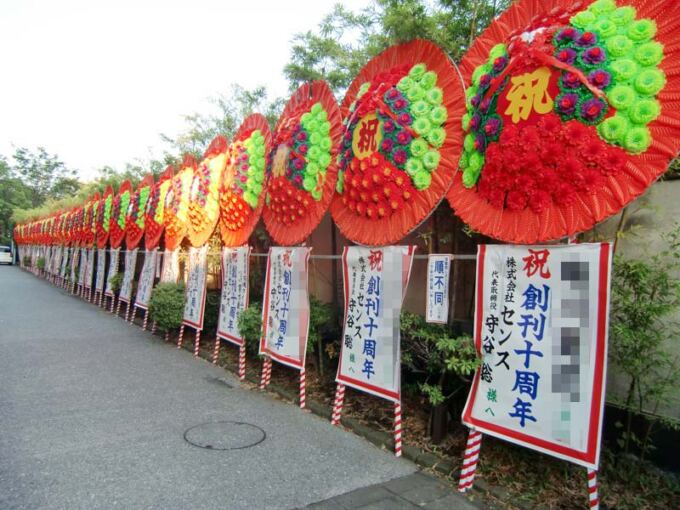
(623, 15)
(649, 54)
(470, 177)
(497, 51)
(413, 166)
(422, 180)
(638, 140)
(613, 129)
(428, 80)
(605, 27)
(621, 97)
(405, 84)
(438, 115)
(644, 111)
(650, 82)
(418, 147)
(583, 19)
(642, 30)
(420, 108)
(422, 126)
(436, 137)
(623, 69)
(602, 6)
(417, 71)
(431, 160)
(618, 46)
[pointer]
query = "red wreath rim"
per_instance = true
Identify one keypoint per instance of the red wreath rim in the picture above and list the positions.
(116, 234)
(173, 242)
(134, 235)
(103, 235)
(388, 231)
(152, 241)
(198, 238)
(230, 238)
(557, 222)
(290, 235)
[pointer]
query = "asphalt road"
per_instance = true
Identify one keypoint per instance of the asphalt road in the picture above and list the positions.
(93, 414)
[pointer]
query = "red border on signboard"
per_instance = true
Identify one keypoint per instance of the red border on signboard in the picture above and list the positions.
(590, 456)
(354, 383)
(221, 334)
(286, 360)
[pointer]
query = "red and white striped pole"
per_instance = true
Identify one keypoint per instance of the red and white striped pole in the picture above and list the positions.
(127, 313)
(397, 429)
(167, 336)
(467, 472)
(197, 342)
(593, 496)
(266, 372)
(146, 319)
(242, 362)
(337, 404)
(216, 350)
(303, 389)
(153, 327)
(118, 307)
(180, 337)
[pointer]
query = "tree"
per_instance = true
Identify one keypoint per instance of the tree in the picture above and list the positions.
(231, 110)
(44, 174)
(14, 194)
(346, 40)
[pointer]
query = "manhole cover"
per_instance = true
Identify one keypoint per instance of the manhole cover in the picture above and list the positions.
(225, 435)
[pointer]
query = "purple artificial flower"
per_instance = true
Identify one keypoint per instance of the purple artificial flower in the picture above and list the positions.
(387, 145)
(592, 109)
(568, 34)
(485, 81)
(348, 136)
(298, 164)
(600, 78)
(566, 103)
(392, 94)
(476, 100)
(586, 40)
(403, 137)
(570, 80)
(475, 122)
(399, 104)
(594, 55)
(499, 64)
(566, 55)
(303, 149)
(492, 126)
(399, 156)
(485, 105)
(480, 143)
(388, 126)
(405, 118)
(301, 136)
(298, 179)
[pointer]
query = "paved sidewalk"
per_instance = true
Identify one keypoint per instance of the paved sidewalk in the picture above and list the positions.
(94, 413)
(416, 491)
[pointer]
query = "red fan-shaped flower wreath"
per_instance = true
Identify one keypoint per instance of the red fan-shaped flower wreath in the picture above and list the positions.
(303, 168)
(573, 111)
(244, 181)
(400, 145)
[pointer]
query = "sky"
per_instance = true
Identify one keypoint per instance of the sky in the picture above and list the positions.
(96, 82)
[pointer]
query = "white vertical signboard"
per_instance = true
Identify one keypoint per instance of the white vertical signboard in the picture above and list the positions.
(83, 266)
(437, 305)
(146, 280)
(170, 271)
(89, 271)
(285, 311)
(375, 282)
(113, 270)
(128, 275)
(234, 296)
(541, 323)
(64, 262)
(101, 269)
(194, 306)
